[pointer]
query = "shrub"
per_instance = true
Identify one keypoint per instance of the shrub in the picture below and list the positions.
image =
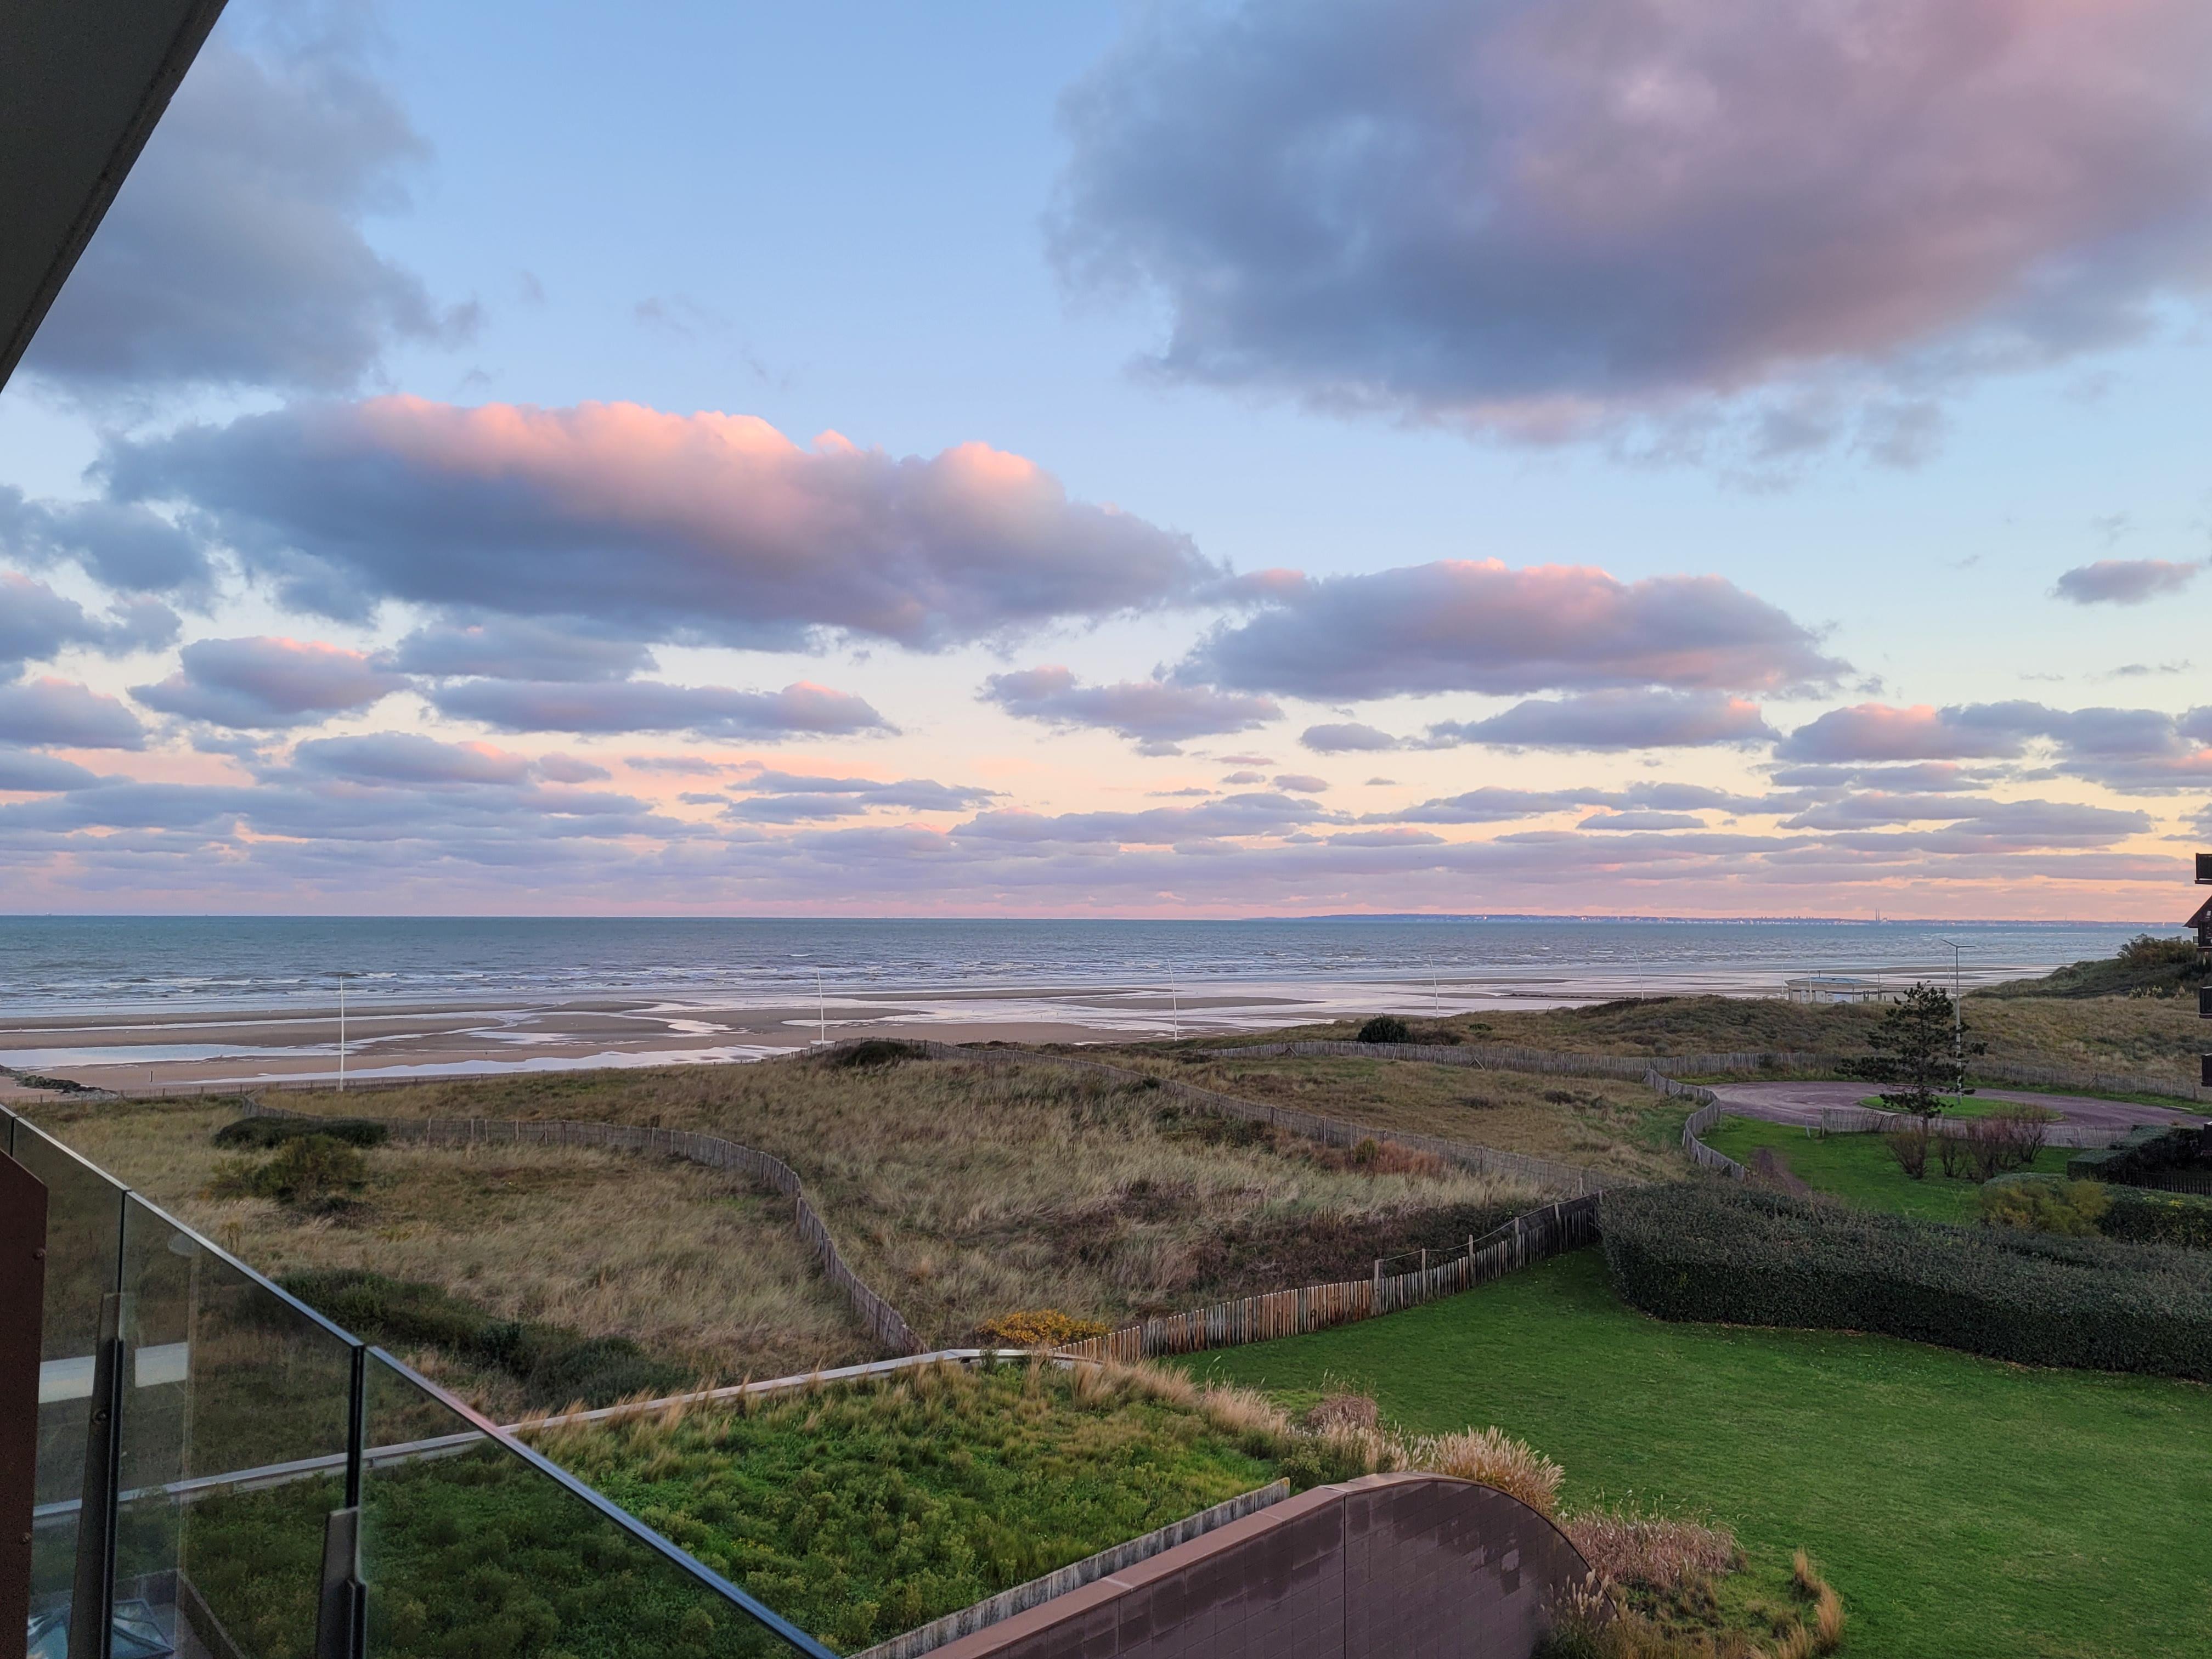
(1036, 1328)
(1951, 1155)
(2135, 1214)
(2070, 1209)
(1724, 1253)
(1386, 1028)
(2145, 1216)
(875, 1052)
(311, 1169)
(2141, 1151)
(267, 1132)
(555, 1365)
(1909, 1146)
(2007, 1139)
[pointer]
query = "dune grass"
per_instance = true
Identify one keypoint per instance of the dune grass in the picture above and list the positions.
(2157, 1036)
(966, 1190)
(1858, 1168)
(1620, 1128)
(698, 1267)
(1964, 1507)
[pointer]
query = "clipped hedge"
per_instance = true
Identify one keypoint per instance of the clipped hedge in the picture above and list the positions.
(266, 1132)
(1732, 1254)
(2141, 1151)
(2141, 1215)
(555, 1365)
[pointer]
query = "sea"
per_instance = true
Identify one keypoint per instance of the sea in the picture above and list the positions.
(119, 964)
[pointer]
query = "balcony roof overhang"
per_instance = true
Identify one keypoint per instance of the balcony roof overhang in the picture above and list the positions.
(81, 84)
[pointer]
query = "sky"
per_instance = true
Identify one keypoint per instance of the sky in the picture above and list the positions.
(1645, 457)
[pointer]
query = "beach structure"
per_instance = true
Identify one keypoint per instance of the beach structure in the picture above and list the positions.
(1836, 987)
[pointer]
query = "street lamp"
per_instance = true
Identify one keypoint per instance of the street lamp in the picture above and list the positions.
(343, 977)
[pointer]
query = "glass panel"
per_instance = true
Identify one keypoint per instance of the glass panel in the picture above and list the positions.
(236, 1426)
(84, 1229)
(470, 1549)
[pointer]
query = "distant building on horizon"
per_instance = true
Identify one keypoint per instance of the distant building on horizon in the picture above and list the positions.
(1834, 987)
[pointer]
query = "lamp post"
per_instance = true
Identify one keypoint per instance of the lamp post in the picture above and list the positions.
(343, 977)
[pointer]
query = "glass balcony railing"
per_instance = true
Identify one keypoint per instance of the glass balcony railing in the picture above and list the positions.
(220, 1471)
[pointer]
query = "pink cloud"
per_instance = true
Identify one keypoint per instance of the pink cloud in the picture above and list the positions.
(702, 528)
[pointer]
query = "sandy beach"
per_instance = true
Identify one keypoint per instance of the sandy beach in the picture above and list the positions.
(157, 1048)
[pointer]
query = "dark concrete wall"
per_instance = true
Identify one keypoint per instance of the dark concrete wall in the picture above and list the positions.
(1392, 1567)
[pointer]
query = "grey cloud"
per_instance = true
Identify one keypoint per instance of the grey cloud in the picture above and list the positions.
(1615, 720)
(1876, 732)
(701, 529)
(1302, 783)
(1244, 777)
(1488, 805)
(268, 685)
(519, 649)
(2139, 751)
(1641, 820)
(2040, 823)
(1544, 217)
(24, 771)
(1467, 626)
(131, 548)
(234, 254)
(1491, 805)
(1349, 738)
(66, 715)
(1925, 775)
(1156, 711)
(797, 797)
(410, 758)
(37, 623)
(2125, 581)
(608, 706)
(569, 768)
(1159, 826)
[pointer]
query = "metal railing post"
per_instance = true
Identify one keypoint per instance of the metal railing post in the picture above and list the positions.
(23, 1269)
(92, 1613)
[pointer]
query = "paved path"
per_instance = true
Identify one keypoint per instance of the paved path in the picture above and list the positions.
(1803, 1102)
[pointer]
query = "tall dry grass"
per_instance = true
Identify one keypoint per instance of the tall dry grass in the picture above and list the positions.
(1606, 1124)
(966, 1190)
(692, 1263)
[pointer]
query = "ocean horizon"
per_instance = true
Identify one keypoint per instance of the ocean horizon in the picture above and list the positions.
(113, 963)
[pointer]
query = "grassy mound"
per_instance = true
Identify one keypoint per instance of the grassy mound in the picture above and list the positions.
(2146, 966)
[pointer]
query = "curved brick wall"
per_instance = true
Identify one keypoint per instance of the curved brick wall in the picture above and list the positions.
(1392, 1567)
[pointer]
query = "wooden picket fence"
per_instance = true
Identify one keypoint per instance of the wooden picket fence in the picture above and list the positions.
(883, 1320)
(1524, 1240)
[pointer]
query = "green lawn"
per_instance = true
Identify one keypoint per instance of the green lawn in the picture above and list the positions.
(1859, 1168)
(1965, 1509)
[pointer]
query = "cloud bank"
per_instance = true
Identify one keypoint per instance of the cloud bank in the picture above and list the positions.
(703, 529)
(1468, 625)
(1540, 217)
